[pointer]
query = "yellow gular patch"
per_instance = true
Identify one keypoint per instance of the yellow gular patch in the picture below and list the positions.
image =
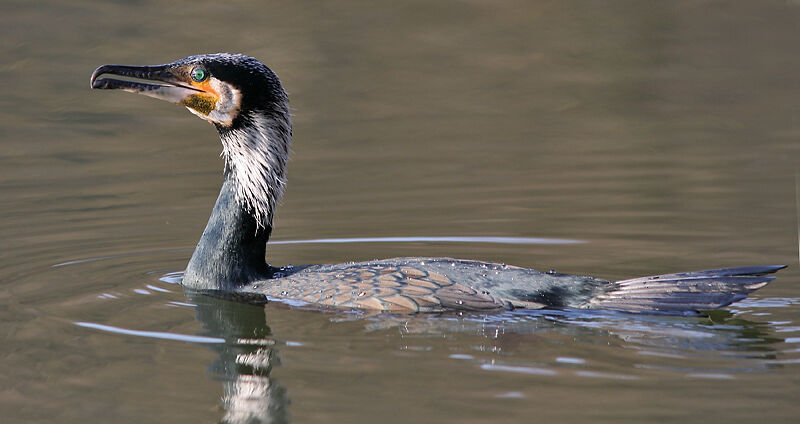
(201, 102)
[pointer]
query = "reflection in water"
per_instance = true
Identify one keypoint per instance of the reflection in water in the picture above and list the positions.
(718, 345)
(245, 360)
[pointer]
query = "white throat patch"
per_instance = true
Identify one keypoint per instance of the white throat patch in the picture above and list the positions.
(257, 155)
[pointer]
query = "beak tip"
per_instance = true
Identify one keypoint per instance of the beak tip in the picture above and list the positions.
(93, 83)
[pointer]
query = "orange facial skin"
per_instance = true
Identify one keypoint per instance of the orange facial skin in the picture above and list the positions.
(203, 102)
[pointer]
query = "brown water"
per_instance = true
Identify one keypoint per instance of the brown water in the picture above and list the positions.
(662, 134)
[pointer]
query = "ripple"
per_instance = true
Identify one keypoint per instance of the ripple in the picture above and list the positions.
(121, 255)
(769, 302)
(150, 334)
(712, 376)
(439, 239)
(518, 369)
(567, 360)
(461, 356)
(446, 239)
(595, 374)
(510, 395)
(158, 289)
(176, 303)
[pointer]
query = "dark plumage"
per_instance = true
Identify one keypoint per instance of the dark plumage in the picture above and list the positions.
(246, 103)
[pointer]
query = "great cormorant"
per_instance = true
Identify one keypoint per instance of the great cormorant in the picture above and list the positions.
(245, 101)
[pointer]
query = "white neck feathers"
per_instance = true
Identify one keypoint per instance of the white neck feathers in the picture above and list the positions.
(256, 156)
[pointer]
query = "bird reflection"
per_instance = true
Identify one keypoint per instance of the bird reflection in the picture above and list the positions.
(713, 345)
(720, 333)
(244, 361)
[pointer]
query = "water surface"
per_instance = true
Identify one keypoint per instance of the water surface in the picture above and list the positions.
(661, 135)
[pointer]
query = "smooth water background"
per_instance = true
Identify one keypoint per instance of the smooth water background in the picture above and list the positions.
(663, 134)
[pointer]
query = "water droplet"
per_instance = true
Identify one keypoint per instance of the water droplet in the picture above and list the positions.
(460, 302)
(552, 271)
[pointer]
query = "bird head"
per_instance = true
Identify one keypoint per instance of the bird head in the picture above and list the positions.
(221, 88)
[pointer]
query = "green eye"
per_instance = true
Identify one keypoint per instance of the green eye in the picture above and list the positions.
(199, 74)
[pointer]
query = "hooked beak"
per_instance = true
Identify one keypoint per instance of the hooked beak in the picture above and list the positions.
(169, 85)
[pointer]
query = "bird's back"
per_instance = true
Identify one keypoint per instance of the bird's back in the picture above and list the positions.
(408, 285)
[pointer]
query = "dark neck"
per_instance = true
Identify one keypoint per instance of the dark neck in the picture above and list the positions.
(231, 251)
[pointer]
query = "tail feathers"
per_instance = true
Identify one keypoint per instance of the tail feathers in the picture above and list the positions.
(684, 292)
